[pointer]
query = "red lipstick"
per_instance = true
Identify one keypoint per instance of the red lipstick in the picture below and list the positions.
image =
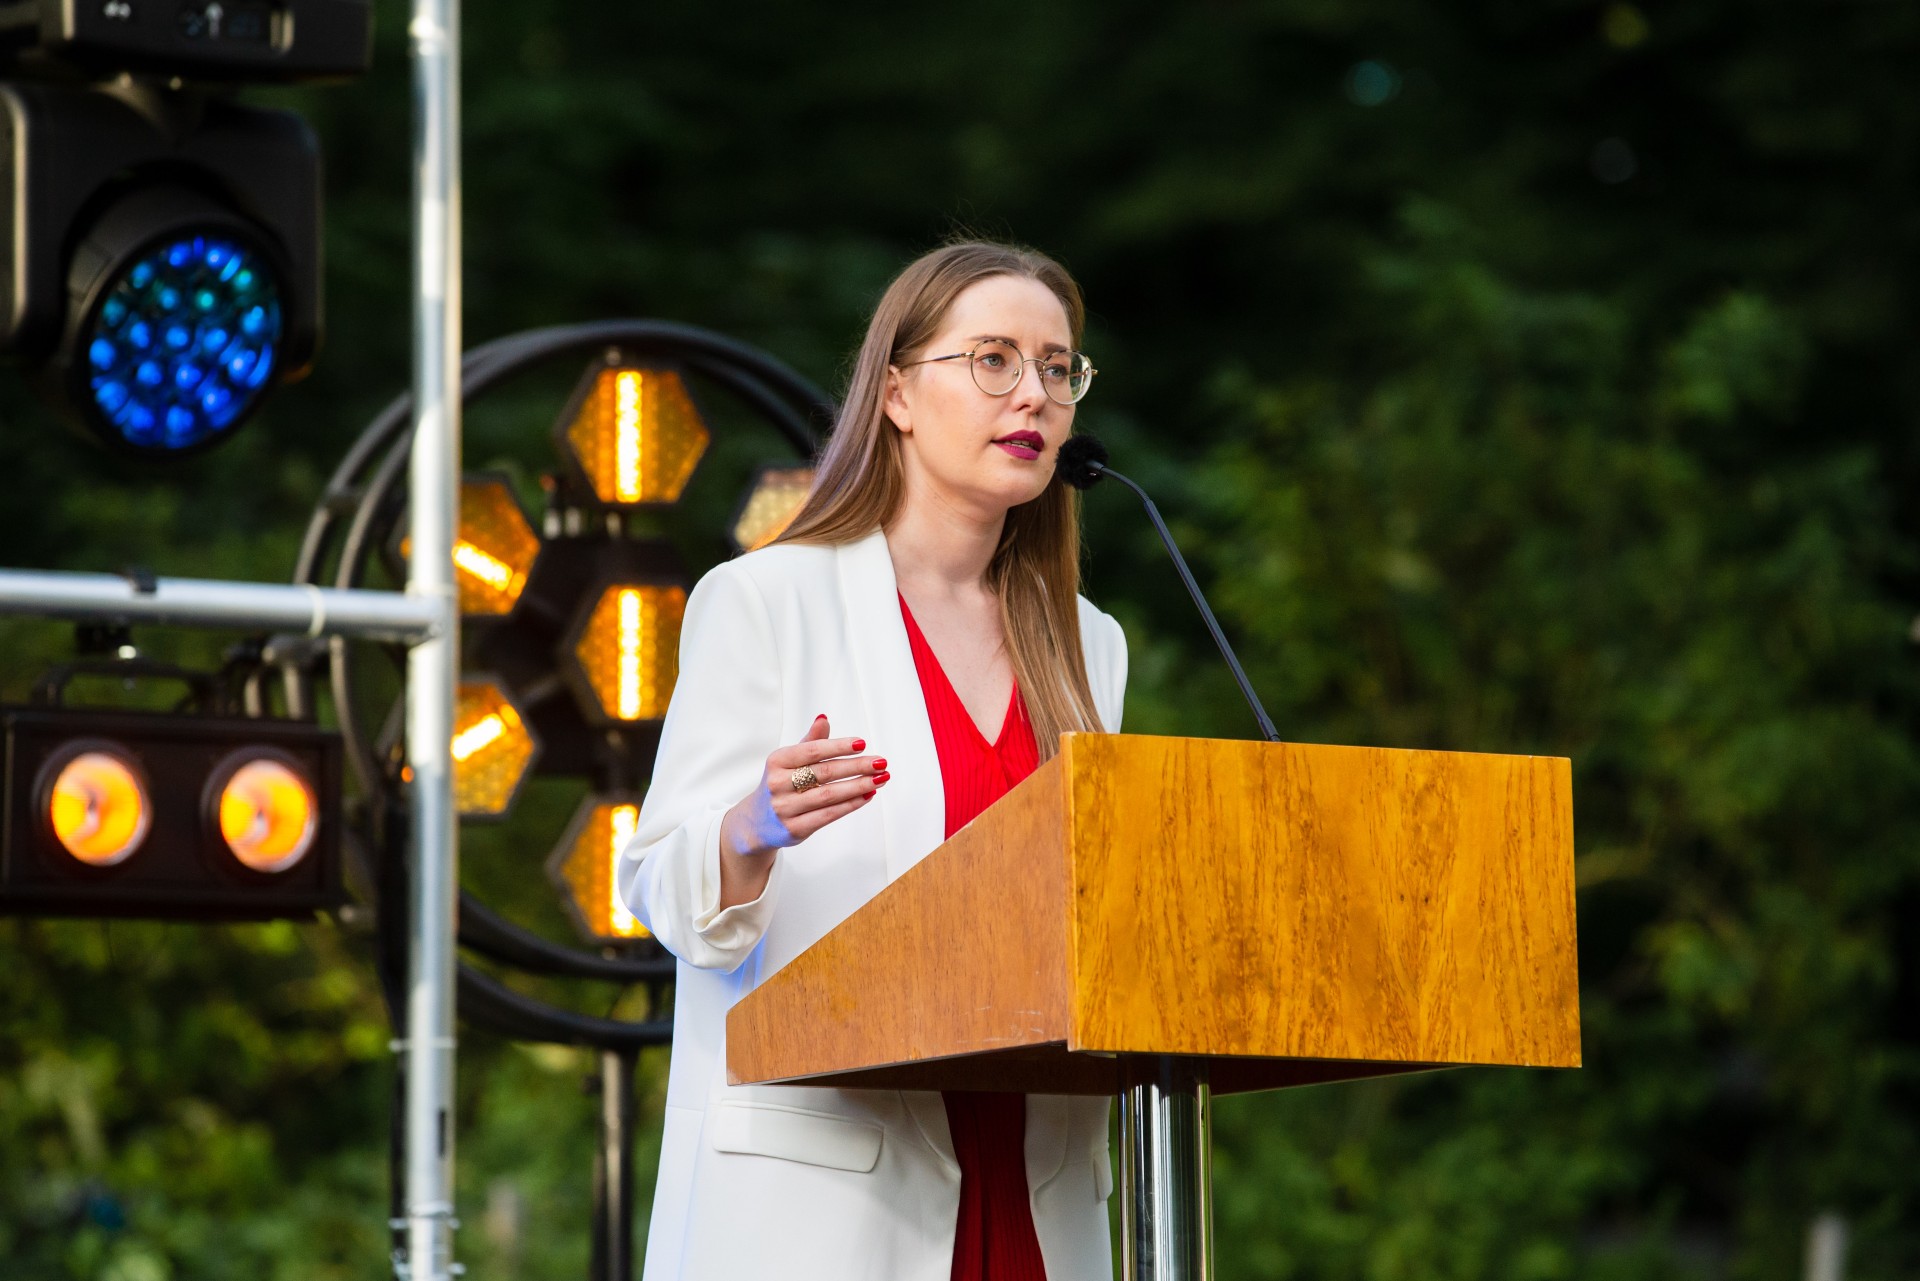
(1022, 444)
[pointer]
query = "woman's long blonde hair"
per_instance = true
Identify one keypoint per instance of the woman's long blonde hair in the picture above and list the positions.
(859, 484)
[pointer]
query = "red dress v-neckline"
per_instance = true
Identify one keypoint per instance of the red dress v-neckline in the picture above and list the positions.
(993, 1236)
(933, 675)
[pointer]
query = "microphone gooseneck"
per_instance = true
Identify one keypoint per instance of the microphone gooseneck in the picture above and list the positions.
(1081, 462)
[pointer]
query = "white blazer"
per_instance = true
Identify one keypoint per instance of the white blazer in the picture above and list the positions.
(807, 1183)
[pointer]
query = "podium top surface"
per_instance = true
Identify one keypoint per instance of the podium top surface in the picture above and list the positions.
(1292, 912)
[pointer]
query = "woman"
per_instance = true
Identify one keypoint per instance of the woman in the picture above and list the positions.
(911, 646)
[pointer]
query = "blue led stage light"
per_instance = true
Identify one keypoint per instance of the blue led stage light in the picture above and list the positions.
(182, 343)
(160, 265)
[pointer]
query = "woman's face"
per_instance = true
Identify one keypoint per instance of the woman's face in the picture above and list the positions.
(978, 453)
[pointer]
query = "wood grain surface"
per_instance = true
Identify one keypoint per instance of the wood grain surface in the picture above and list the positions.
(1297, 912)
(1297, 900)
(964, 952)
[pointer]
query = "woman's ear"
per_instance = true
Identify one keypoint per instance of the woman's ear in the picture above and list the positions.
(895, 402)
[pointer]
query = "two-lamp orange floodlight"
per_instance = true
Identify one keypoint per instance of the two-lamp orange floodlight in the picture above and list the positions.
(182, 818)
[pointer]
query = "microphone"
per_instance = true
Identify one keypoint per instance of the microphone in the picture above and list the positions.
(1081, 462)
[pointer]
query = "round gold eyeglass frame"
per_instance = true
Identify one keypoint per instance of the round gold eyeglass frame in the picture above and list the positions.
(1055, 376)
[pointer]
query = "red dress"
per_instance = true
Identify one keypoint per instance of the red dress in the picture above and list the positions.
(993, 1238)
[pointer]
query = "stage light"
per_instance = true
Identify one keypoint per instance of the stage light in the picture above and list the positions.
(770, 506)
(167, 816)
(493, 550)
(633, 433)
(265, 812)
(98, 806)
(182, 339)
(493, 750)
(582, 867)
(250, 41)
(163, 249)
(628, 650)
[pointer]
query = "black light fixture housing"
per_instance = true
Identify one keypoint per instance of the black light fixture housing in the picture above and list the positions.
(250, 41)
(182, 867)
(160, 253)
(164, 257)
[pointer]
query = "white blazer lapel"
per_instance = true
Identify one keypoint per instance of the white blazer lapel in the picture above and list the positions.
(913, 804)
(929, 1112)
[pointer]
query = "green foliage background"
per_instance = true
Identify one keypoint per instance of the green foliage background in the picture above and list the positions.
(1523, 377)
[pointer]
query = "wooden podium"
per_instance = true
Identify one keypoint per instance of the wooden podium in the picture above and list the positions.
(1167, 918)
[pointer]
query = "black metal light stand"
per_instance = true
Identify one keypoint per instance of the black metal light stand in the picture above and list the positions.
(350, 525)
(613, 1172)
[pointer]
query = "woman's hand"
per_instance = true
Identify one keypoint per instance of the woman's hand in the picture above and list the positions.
(774, 815)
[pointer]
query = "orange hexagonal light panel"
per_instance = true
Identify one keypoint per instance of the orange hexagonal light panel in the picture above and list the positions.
(582, 865)
(770, 506)
(629, 649)
(492, 750)
(636, 434)
(494, 549)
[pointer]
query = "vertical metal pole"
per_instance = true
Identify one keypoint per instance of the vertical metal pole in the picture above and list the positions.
(432, 666)
(1131, 1100)
(613, 1182)
(1166, 1171)
(1827, 1247)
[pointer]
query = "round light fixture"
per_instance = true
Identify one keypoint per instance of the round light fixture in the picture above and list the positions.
(179, 315)
(183, 344)
(98, 806)
(266, 811)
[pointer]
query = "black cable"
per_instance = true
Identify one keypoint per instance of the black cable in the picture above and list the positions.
(484, 931)
(488, 1001)
(737, 366)
(1206, 612)
(342, 488)
(1080, 462)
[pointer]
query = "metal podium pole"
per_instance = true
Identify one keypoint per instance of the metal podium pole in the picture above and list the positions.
(1166, 1171)
(613, 1172)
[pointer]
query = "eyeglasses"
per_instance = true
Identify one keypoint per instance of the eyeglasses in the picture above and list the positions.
(997, 366)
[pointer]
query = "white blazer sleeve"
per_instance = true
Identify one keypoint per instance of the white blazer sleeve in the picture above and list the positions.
(1106, 650)
(722, 721)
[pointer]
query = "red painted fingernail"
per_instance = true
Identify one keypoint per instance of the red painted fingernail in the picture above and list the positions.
(879, 764)
(821, 717)
(859, 744)
(878, 779)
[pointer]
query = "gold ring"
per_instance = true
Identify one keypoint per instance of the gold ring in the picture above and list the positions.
(804, 779)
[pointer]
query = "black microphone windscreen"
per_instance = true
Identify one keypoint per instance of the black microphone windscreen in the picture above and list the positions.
(1080, 461)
